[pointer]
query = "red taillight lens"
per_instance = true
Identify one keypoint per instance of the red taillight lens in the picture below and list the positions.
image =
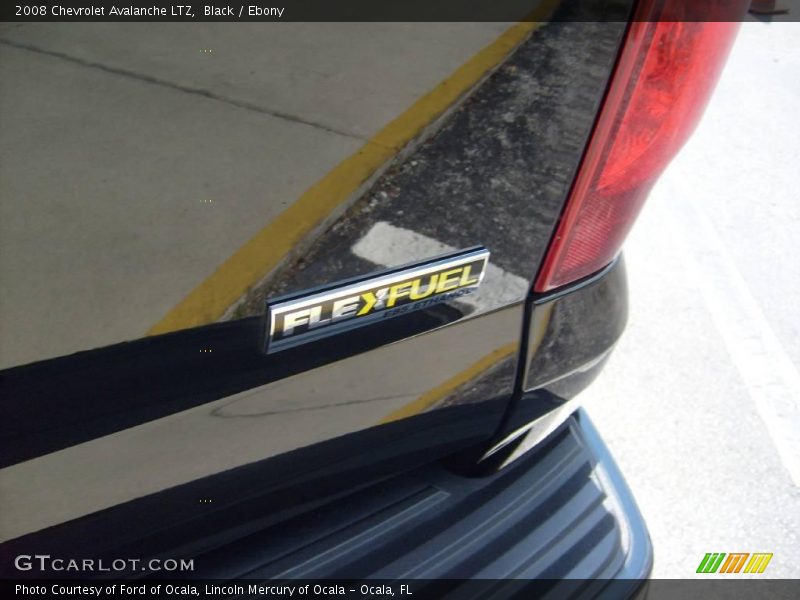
(664, 77)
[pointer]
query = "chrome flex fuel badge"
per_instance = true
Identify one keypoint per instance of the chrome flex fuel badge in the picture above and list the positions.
(320, 312)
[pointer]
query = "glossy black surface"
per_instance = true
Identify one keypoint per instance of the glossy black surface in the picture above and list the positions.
(568, 332)
(62, 402)
(196, 516)
(571, 334)
(134, 438)
(563, 511)
(496, 174)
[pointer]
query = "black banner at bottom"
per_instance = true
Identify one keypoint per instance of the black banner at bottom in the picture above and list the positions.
(415, 589)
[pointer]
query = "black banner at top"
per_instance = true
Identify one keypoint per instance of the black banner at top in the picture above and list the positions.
(378, 10)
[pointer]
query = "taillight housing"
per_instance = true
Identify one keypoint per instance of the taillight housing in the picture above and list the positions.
(669, 63)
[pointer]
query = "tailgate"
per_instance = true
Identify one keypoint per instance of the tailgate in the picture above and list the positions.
(150, 431)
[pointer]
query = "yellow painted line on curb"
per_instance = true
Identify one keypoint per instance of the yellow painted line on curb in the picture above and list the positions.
(430, 398)
(264, 252)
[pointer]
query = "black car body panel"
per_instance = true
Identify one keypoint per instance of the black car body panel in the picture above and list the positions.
(197, 443)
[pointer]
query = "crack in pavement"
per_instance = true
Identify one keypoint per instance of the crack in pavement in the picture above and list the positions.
(182, 88)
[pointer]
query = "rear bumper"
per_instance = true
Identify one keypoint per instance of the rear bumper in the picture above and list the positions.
(558, 522)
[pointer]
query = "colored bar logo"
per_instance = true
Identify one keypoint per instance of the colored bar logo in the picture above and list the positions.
(714, 562)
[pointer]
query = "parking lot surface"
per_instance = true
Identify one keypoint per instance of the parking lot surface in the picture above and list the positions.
(141, 156)
(699, 402)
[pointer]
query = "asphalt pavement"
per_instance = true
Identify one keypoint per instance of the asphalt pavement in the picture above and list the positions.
(141, 156)
(699, 402)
